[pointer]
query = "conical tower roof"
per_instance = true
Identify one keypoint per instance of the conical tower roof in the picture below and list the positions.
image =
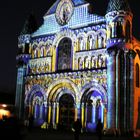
(117, 5)
(30, 25)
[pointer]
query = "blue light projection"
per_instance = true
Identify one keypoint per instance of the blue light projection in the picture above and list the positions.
(83, 55)
(75, 21)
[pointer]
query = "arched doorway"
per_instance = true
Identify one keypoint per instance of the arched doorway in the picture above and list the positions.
(93, 108)
(64, 55)
(66, 111)
(35, 107)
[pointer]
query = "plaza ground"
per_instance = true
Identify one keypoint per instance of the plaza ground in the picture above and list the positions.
(38, 134)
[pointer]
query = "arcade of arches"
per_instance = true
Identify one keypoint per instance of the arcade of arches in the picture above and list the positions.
(86, 68)
(64, 106)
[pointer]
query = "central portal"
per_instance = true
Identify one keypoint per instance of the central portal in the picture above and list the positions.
(66, 114)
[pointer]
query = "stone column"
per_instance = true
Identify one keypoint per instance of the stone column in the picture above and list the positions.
(53, 66)
(105, 118)
(125, 86)
(102, 113)
(76, 112)
(82, 114)
(57, 113)
(117, 89)
(94, 110)
(111, 83)
(128, 86)
(93, 113)
(49, 112)
(45, 111)
(54, 114)
(41, 111)
(132, 57)
(30, 110)
(35, 111)
(85, 121)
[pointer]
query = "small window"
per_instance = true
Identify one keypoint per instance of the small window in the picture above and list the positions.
(127, 31)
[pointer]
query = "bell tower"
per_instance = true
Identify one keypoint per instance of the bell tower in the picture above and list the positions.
(23, 56)
(119, 65)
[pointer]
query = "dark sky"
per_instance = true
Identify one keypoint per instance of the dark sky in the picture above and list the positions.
(13, 14)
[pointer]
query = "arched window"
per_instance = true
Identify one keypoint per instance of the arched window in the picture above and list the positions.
(137, 75)
(26, 48)
(64, 55)
(127, 31)
(119, 29)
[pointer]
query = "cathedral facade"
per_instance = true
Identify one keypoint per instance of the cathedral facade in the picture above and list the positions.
(79, 65)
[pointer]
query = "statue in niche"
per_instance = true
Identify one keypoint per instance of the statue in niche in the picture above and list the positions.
(46, 68)
(93, 62)
(48, 50)
(91, 42)
(35, 53)
(66, 13)
(100, 41)
(103, 61)
(38, 68)
(86, 63)
(42, 52)
(82, 44)
(100, 61)
(103, 42)
(64, 61)
(80, 63)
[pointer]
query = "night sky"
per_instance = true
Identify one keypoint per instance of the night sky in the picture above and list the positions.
(13, 14)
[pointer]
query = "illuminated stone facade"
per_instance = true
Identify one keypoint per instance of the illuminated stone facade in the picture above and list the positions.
(80, 65)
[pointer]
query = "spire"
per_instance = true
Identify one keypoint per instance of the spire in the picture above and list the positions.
(30, 25)
(117, 5)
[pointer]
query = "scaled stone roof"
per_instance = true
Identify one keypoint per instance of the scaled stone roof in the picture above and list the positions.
(117, 5)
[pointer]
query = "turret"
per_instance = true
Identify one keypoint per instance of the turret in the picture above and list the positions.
(119, 23)
(119, 38)
(23, 56)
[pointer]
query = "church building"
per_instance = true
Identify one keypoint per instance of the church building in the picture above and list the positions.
(80, 65)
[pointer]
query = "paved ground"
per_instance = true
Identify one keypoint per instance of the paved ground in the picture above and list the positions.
(45, 135)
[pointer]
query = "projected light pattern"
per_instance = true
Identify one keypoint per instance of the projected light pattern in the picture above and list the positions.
(80, 68)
